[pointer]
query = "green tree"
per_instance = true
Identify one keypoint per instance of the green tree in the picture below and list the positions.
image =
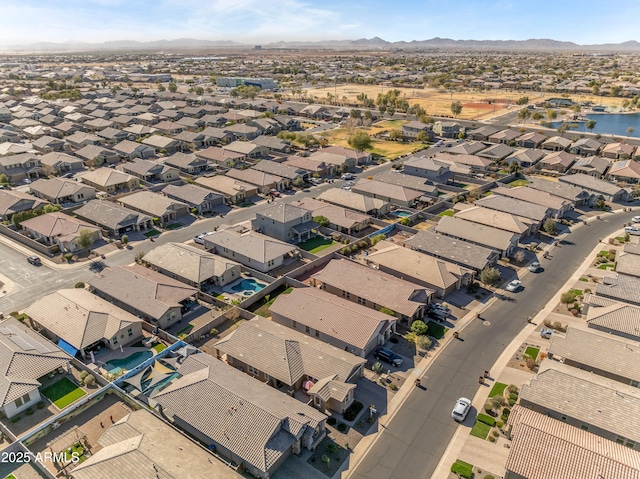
(124, 239)
(423, 342)
(537, 116)
(523, 100)
(377, 368)
(84, 239)
(4, 179)
(388, 311)
(321, 220)
(568, 297)
(173, 87)
(552, 114)
(590, 124)
(550, 227)
(360, 141)
(563, 128)
(357, 114)
(630, 130)
(298, 182)
(395, 135)
(490, 276)
(419, 327)
(615, 90)
(456, 108)
(422, 136)
(523, 114)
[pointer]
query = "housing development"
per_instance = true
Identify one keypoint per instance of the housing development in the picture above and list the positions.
(321, 262)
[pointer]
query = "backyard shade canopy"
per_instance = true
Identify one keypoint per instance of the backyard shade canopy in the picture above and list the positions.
(136, 380)
(308, 385)
(186, 351)
(67, 348)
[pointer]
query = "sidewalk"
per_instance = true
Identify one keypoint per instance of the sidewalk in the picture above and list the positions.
(466, 447)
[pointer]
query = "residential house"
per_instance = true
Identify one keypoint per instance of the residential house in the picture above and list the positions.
(467, 148)
(59, 229)
(248, 149)
(531, 139)
(285, 222)
(391, 177)
(374, 289)
(242, 131)
(170, 128)
(340, 219)
(543, 447)
(352, 157)
(505, 136)
(151, 171)
(218, 135)
(585, 147)
(572, 193)
(599, 353)
(250, 248)
(62, 190)
(556, 163)
(601, 188)
(113, 135)
(164, 144)
(132, 149)
(411, 130)
(595, 166)
(447, 129)
(558, 391)
(500, 240)
(348, 326)
(620, 287)
(484, 132)
(149, 295)
(627, 171)
(81, 139)
(333, 160)
(14, 201)
(193, 266)
(234, 191)
(113, 218)
(390, 193)
(272, 144)
(195, 140)
(520, 208)
(155, 205)
(220, 157)
(324, 372)
(187, 163)
(465, 164)
(496, 153)
(618, 151)
(140, 130)
(311, 166)
(26, 358)
(498, 219)
(222, 407)
(434, 170)
(47, 144)
(56, 163)
(144, 443)
(21, 166)
(612, 316)
(203, 200)
(354, 201)
(96, 156)
(263, 182)
(558, 206)
(556, 143)
(110, 181)
(289, 174)
(81, 322)
(433, 273)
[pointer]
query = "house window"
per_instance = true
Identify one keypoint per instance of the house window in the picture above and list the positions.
(115, 340)
(267, 377)
(130, 332)
(306, 329)
(584, 427)
(252, 370)
(635, 384)
(18, 402)
(317, 333)
(294, 324)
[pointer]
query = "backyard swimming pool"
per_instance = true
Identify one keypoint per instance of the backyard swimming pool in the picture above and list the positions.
(400, 214)
(116, 365)
(248, 285)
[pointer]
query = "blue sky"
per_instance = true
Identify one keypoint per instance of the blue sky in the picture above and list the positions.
(264, 21)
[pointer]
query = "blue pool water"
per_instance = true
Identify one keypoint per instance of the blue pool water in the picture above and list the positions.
(116, 365)
(609, 124)
(400, 214)
(160, 385)
(248, 285)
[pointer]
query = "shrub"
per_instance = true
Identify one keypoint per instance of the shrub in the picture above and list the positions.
(486, 419)
(531, 364)
(512, 388)
(462, 469)
(405, 221)
(423, 342)
(495, 433)
(342, 427)
(15, 419)
(499, 423)
(512, 402)
(513, 396)
(393, 387)
(491, 439)
(488, 407)
(40, 405)
(83, 374)
(504, 418)
(29, 411)
(331, 421)
(79, 285)
(377, 367)
(353, 410)
(557, 325)
(359, 424)
(506, 411)
(419, 327)
(68, 257)
(213, 332)
(497, 402)
(388, 311)
(124, 239)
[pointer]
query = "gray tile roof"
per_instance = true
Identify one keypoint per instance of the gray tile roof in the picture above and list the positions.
(254, 177)
(513, 206)
(252, 420)
(328, 388)
(145, 290)
(278, 169)
(459, 252)
(78, 316)
(563, 190)
(283, 212)
(598, 350)
(153, 203)
(494, 218)
(620, 287)
(613, 315)
(488, 236)
(110, 214)
(629, 264)
(375, 286)
(191, 194)
(408, 181)
(59, 187)
(190, 263)
(537, 197)
(250, 244)
(389, 190)
(351, 200)
(57, 225)
(141, 445)
(25, 356)
(107, 177)
(14, 201)
(591, 183)
(286, 354)
(544, 448)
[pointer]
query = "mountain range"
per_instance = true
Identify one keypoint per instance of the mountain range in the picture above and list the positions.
(375, 43)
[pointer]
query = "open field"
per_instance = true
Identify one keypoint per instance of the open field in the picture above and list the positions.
(438, 102)
(389, 149)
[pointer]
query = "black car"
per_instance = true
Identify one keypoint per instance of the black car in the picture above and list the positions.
(34, 260)
(388, 356)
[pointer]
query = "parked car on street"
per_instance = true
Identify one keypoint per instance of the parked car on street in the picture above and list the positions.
(348, 176)
(388, 356)
(636, 219)
(534, 267)
(461, 409)
(514, 286)
(34, 260)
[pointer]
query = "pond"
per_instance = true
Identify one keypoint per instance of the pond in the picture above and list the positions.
(608, 124)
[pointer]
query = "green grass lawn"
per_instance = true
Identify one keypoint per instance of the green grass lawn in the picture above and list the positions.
(63, 393)
(436, 330)
(606, 266)
(620, 239)
(261, 307)
(446, 213)
(174, 226)
(519, 182)
(79, 453)
(151, 233)
(462, 469)
(159, 347)
(316, 244)
(246, 204)
(584, 280)
(480, 430)
(532, 352)
(497, 389)
(577, 292)
(184, 332)
(603, 253)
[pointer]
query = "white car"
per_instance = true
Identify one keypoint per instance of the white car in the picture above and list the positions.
(514, 285)
(636, 219)
(348, 176)
(632, 230)
(200, 238)
(461, 409)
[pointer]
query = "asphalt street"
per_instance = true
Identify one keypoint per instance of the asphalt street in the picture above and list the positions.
(411, 445)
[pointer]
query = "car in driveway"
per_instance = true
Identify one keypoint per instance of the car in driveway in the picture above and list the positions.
(388, 356)
(635, 219)
(461, 409)
(546, 333)
(199, 239)
(632, 230)
(514, 286)
(34, 260)
(534, 267)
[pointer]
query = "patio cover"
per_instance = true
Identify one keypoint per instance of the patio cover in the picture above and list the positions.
(187, 350)
(136, 379)
(67, 348)
(305, 227)
(169, 362)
